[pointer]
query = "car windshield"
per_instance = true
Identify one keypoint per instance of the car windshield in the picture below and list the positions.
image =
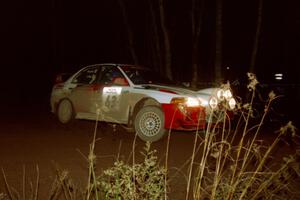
(140, 76)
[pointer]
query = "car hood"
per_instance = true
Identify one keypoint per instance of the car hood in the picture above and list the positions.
(169, 89)
(204, 94)
(207, 93)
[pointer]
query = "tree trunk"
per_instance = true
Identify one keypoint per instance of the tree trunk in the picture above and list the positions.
(166, 39)
(155, 42)
(257, 35)
(194, 68)
(218, 58)
(196, 29)
(129, 32)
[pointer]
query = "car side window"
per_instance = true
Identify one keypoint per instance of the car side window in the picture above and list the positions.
(112, 76)
(87, 76)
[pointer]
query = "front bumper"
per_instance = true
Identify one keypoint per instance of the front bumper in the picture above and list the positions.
(184, 118)
(218, 116)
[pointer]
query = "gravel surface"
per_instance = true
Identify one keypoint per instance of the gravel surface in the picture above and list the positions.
(31, 138)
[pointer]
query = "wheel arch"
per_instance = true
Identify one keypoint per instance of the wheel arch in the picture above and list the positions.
(62, 99)
(146, 101)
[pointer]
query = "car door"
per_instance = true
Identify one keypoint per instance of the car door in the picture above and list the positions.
(114, 91)
(84, 94)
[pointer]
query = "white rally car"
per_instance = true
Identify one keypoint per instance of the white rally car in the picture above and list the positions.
(134, 96)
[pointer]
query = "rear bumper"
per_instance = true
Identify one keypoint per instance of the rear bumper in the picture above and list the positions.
(187, 118)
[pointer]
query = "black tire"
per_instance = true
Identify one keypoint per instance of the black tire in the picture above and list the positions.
(149, 123)
(65, 112)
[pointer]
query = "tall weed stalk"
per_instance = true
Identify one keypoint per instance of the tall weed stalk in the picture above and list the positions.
(227, 171)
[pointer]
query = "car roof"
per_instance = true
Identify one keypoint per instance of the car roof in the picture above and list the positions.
(116, 65)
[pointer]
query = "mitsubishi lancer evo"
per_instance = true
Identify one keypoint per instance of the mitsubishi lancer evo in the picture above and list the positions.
(136, 97)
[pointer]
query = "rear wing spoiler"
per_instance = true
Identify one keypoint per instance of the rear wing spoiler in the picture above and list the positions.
(61, 78)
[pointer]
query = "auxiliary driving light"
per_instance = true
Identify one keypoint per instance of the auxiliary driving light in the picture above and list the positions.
(227, 94)
(213, 102)
(232, 103)
(220, 94)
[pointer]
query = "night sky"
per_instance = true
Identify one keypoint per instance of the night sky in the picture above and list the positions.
(42, 38)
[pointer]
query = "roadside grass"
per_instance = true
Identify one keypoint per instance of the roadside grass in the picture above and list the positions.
(232, 167)
(228, 162)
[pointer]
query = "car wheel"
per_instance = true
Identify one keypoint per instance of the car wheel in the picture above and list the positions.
(149, 123)
(65, 111)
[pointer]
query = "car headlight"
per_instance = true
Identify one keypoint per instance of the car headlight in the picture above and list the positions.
(192, 102)
(232, 103)
(178, 100)
(188, 102)
(213, 102)
(203, 103)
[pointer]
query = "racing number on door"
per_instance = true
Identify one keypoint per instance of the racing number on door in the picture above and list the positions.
(111, 98)
(111, 101)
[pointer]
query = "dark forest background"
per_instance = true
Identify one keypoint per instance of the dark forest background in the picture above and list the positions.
(198, 41)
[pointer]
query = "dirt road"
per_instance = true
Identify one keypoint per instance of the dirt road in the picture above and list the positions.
(34, 138)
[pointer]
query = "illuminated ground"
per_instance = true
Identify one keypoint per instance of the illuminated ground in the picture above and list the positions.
(35, 138)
